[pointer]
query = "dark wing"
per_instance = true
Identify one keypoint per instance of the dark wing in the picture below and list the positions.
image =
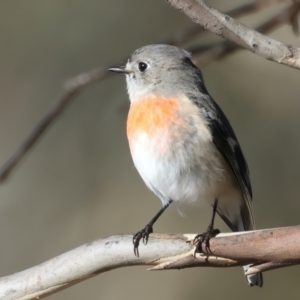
(228, 145)
(225, 140)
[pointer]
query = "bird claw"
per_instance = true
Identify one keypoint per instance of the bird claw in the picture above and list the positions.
(141, 235)
(204, 238)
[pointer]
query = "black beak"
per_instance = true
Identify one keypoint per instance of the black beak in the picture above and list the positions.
(121, 70)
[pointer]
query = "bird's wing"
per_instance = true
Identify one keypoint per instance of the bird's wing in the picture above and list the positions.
(228, 145)
(225, 141)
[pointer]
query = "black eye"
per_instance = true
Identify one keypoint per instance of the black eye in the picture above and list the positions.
(143, 66)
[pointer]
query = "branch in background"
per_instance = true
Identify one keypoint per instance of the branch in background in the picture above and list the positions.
(206, 54)
(267, 249)
(229, 28)
(71, 88)
(77, 84)
(245, 9)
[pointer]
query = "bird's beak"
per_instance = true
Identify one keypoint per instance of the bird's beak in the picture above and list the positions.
(121, 70)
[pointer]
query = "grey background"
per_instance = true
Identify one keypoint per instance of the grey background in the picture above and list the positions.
(79, 184)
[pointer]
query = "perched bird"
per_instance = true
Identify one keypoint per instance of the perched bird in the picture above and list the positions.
(182, 143)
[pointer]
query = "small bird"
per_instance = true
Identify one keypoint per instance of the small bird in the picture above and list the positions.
(182, 143)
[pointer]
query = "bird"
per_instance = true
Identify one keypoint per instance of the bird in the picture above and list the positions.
(182, 144)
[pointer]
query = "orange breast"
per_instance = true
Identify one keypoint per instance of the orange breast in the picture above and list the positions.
(150, 114)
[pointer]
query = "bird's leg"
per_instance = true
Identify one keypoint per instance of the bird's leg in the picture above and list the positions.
(144, 233)
(206, 236)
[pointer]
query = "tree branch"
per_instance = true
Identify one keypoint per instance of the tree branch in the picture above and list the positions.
(267, 249)
(71, 88)
(203, 55)
(229, 28)
(186, 35)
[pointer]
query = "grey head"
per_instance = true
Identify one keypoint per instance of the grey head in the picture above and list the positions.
(160, 70)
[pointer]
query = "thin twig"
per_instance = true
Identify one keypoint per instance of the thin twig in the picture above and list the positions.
(71, 88)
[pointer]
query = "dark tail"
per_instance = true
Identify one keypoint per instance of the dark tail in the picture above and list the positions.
(254, 279)
(244, 223)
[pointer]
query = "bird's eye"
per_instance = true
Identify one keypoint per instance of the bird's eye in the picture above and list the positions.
(143, 67)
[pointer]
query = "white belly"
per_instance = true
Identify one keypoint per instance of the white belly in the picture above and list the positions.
(182, 171)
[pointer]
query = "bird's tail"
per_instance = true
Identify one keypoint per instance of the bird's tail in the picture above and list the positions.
(254, 279)
(244, 223)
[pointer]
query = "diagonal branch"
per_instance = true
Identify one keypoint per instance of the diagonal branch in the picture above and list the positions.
(71, 88)
(203, 55)
(267, 249)
(229, 28)
(188, 34)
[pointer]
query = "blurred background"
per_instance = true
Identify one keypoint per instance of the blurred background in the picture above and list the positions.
(78, 183)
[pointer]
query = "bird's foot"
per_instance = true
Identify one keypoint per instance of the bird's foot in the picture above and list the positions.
(203, 239)
(141, 235)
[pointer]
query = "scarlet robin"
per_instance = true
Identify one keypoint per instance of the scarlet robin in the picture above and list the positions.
(181, 142)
